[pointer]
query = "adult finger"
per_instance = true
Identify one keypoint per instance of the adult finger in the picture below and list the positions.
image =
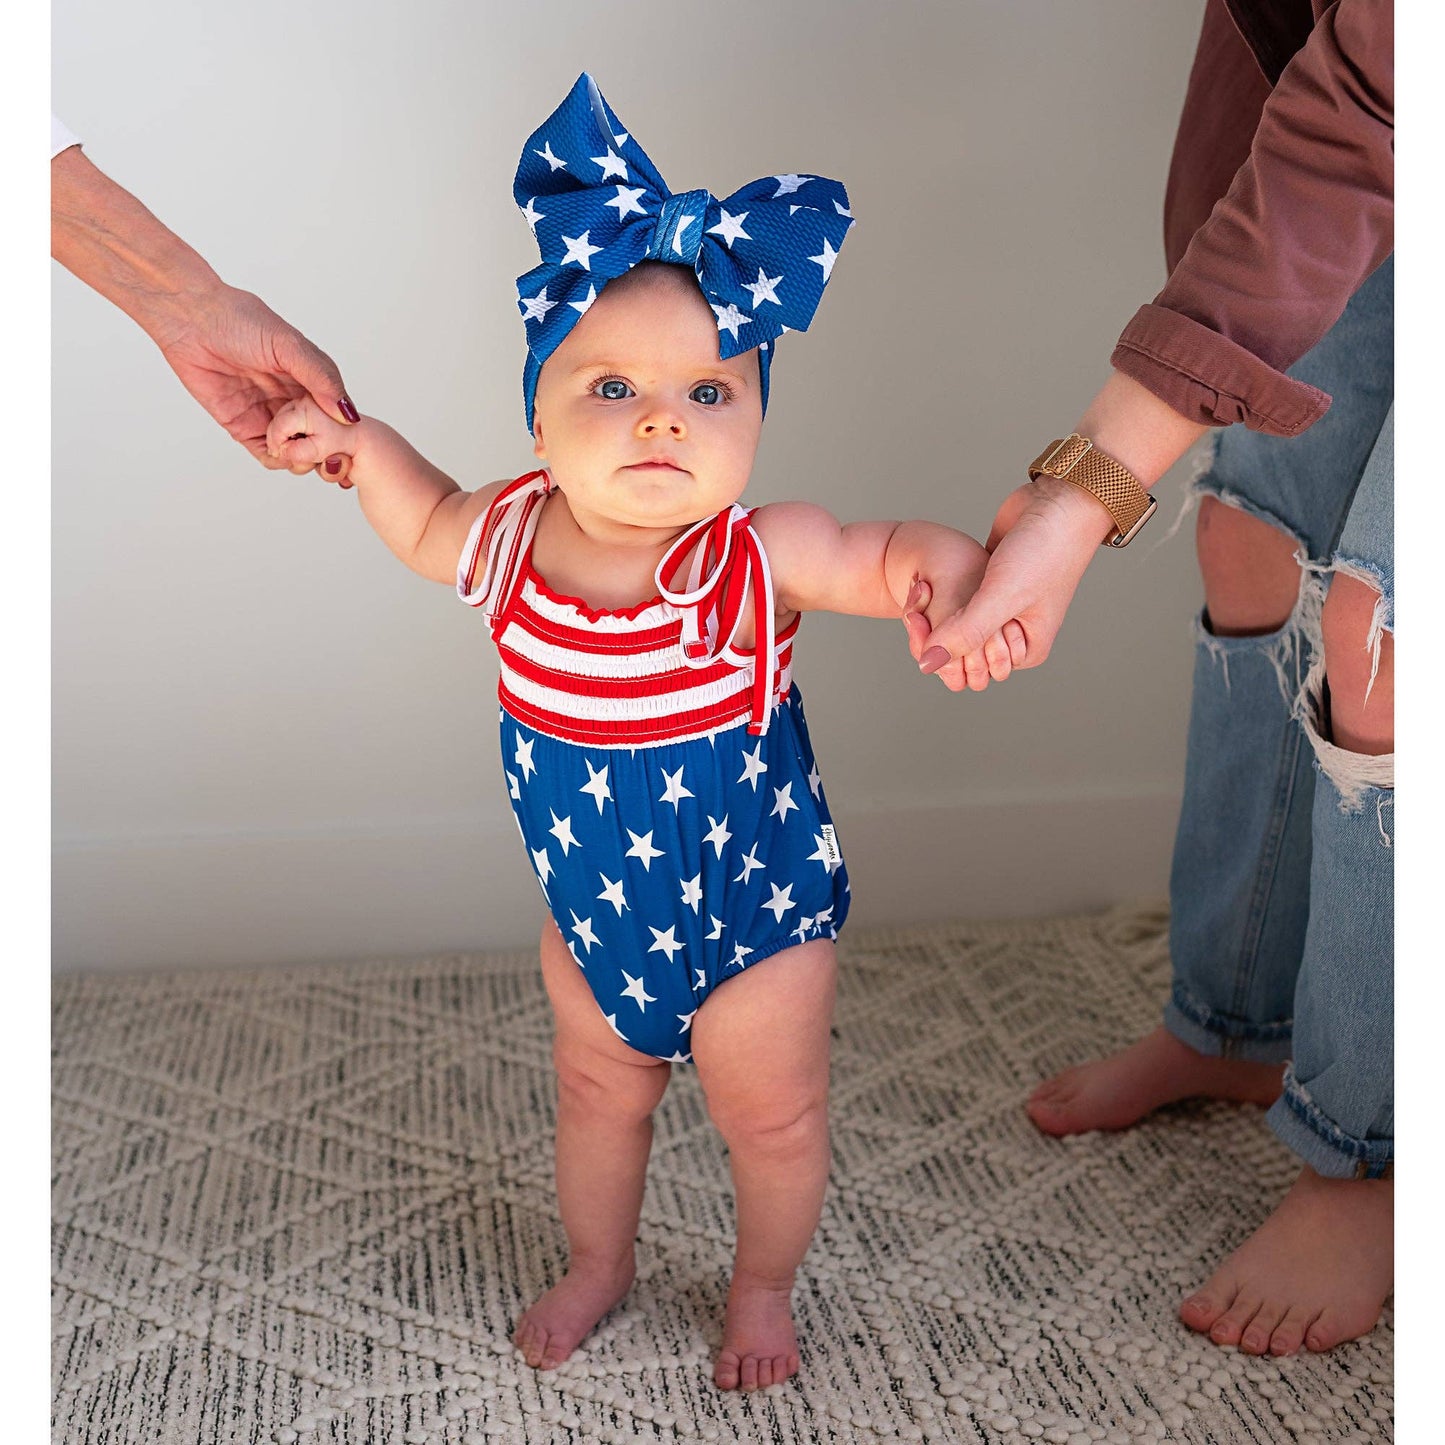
(312, 368)
(336, 468)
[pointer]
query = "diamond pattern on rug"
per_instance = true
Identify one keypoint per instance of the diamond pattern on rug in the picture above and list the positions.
(304, 1206)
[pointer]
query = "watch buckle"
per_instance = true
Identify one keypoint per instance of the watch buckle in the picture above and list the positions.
(1124, 538)
(1054, 452)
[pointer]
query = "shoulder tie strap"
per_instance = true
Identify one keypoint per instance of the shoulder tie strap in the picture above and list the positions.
(499, 540)
(727, 558)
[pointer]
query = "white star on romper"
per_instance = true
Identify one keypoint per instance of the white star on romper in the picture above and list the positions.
(784, 801)
(753, 767)
(523, 758)
(612, 893)
(719, 833)
(561, 830)
(664, 942)
(582, 927)
(596, 784)
(749, 863)
(642, 849)
(674, 790)
(781, 901)
(637, 991)
(692, 891)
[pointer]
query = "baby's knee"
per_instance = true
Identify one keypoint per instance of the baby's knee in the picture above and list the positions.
(782, 1125)
(622, 1092)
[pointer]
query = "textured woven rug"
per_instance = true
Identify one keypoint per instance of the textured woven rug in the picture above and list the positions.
(305, 1205)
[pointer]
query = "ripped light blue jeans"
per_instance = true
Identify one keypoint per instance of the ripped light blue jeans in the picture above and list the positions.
(1282, 889)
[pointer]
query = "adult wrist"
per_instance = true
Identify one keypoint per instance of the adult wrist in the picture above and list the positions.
(1087, 516)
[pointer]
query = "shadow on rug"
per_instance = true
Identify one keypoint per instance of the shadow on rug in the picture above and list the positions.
(306, 1205)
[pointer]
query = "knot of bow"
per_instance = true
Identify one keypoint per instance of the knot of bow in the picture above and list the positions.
(598, 207)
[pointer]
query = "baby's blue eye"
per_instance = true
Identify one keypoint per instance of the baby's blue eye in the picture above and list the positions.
(707, 394)
(613, 390)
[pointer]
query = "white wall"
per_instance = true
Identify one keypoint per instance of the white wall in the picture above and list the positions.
(273, 742)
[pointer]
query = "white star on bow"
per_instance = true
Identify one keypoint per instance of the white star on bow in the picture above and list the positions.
(842, 210)
(532, 214)
(561, 830)
(612, 893)
(580, 250)
(583, 306)
(815, 780)
(692, 891)
(546, 153)
(612, 165)
(753, 767)
(783, 802)
(523, 759)
(543, 864)
(739, 953)
(626, 201)
(719, 833)
(730, 228)
(664, 942)
(829, 255)
(729, 318)
(790, 183)
(537, 306)
(596, 784)
(642, 849)
(781, 901)
(763, 289)
(749, 863)
(673, 789)
(636, 990)
(582, 927)
(683, 222)
(822, 854)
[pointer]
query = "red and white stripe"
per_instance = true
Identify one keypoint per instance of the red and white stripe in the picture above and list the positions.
(664, 671)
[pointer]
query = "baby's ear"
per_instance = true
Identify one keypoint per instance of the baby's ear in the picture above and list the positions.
(539, 447)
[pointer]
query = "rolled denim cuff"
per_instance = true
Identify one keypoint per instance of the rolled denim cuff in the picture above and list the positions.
(1219, 1036)
(1300, 1124)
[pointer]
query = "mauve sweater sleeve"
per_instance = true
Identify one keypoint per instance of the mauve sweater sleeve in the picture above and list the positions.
(1306, 219)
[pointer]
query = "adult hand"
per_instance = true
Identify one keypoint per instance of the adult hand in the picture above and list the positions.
(240, 360)
(1043, 537)
(243, 363)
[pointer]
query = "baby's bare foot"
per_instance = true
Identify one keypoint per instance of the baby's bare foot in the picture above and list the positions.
(1118, 1091)
(1317, 1272)
(759, 1347)
(565, 1315)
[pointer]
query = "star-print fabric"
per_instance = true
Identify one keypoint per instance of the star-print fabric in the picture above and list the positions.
(597, 207)
(669, 803)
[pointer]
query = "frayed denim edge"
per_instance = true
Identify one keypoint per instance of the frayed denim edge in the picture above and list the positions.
(1307, 1131)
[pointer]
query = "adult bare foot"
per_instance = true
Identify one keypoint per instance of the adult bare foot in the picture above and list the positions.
(1115, 1092)
(759, 1346)
(565, 1315)
(1317, 1272)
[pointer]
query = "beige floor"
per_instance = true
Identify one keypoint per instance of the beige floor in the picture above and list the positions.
(305, 1205)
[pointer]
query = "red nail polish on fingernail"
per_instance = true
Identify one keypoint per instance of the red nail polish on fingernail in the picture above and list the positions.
(932, 660)
(333, 465)
(348, 409)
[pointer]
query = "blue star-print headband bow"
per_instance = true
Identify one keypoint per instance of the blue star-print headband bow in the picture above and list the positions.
(598, 207)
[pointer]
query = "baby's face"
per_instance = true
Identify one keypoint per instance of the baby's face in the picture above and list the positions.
(638, 420)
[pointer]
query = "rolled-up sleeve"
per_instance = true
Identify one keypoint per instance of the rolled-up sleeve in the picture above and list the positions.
(1308, 216)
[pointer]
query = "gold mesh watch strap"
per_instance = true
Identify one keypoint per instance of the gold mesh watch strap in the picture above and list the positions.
(1076, 459)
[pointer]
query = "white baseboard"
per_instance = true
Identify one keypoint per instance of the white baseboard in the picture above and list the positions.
(234, 901)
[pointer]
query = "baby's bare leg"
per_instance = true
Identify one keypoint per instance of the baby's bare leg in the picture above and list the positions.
(761, 1047)
(606, 1093)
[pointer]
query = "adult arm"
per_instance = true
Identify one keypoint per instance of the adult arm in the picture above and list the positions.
(1308, 216)
(239, 359)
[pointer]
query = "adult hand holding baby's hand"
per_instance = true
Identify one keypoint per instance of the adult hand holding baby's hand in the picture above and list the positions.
(303, 438)
(1006, 650)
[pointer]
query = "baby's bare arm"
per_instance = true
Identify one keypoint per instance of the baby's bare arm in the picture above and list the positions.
(421, 514)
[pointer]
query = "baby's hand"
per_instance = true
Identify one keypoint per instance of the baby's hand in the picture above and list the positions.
(1003, 652)
(305, 439)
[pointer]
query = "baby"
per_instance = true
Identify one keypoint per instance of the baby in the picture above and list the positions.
(654, 746)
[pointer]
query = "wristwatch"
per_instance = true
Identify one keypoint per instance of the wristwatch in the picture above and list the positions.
(1076, 459)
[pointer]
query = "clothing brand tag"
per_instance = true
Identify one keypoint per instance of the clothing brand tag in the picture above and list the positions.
(830, 845)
